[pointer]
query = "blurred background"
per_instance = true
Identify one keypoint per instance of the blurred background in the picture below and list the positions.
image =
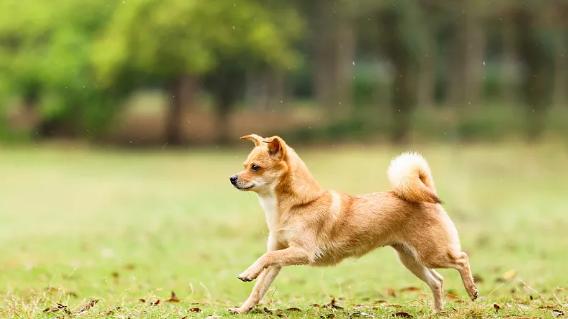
(174, 72)
(117, 119)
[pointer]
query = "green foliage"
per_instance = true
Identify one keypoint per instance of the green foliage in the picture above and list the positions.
(45, 51)
(72, 61)
(158, 41)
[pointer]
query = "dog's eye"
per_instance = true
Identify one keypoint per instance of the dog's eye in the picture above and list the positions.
(254, 167)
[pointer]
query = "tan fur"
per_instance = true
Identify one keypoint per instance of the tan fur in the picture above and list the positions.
(309, 225)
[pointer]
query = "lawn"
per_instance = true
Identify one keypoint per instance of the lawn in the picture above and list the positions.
(94, 233)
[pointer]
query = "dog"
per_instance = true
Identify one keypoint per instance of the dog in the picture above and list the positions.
(309, 225)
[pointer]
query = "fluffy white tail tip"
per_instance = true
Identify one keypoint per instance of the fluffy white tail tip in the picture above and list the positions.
(411, 178)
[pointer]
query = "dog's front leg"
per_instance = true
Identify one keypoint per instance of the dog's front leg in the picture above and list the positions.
(263, 283)
(260, 288)
(285, 257)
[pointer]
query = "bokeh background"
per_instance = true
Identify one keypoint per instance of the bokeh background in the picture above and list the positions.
(119, 126)
(193, 72)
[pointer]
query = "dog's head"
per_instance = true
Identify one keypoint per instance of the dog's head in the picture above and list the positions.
(264, 166)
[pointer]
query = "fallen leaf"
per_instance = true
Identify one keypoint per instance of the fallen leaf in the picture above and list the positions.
(391, 292)
(496, 307)
(557, 313)
(142, 300)
(402, 314)
(56, 308)
(451, 294)
(333, 304)
(173, 297)
(155, 303)
(361, 314)
(90, 304)
(293, 309)
(409, 289)
(266, 310)
(195, 309)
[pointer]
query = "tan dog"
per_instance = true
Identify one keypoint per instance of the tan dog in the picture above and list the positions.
(309, 225)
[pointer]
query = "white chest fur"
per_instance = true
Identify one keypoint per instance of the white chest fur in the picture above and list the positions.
(270, 206)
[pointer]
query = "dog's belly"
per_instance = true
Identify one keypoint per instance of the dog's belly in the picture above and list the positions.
(335, 252)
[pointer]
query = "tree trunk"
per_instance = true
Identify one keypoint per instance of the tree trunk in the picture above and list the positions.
(509, 60)
(560, 94)
(333, 57)
(398, 25)
(539, 71)
(467, 68)
(427, 75)
(182, 94)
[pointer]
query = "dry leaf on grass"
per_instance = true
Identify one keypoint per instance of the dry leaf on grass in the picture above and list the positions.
(411, 288)
(195, 309)
(90, 304)
(56, 308)
(496, 307)
(173, 297)
(451, 294)
(333, 304)
(402, 314)
(361, 314)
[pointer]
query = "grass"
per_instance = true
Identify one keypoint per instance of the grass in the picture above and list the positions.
(128, 228)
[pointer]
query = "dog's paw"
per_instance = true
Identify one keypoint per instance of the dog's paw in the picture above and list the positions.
(249, 274)
(237, 310)
(474, 294)
(245, 278)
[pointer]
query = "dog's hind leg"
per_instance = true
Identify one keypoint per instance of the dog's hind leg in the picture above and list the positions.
(460, 262)
(429, 276)
(456, 260)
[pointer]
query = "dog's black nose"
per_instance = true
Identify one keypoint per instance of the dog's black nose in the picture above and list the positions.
(233, 179)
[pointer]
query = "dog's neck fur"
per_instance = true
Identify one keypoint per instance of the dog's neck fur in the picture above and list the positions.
(296, 187)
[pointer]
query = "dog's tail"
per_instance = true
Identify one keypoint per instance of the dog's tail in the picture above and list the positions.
(411, 178)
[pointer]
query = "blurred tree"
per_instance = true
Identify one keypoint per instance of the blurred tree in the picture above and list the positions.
(535, 49)
(44, 53)
(165, 42)
(401, 38)
(467, 53)
(333, 53)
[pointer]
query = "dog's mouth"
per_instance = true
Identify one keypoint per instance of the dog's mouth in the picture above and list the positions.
(244, 188)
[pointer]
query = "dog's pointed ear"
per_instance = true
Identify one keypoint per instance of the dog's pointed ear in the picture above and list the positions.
(256, 139)
(276, 147)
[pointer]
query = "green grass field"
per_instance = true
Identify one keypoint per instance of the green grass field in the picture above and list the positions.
(128, 228)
